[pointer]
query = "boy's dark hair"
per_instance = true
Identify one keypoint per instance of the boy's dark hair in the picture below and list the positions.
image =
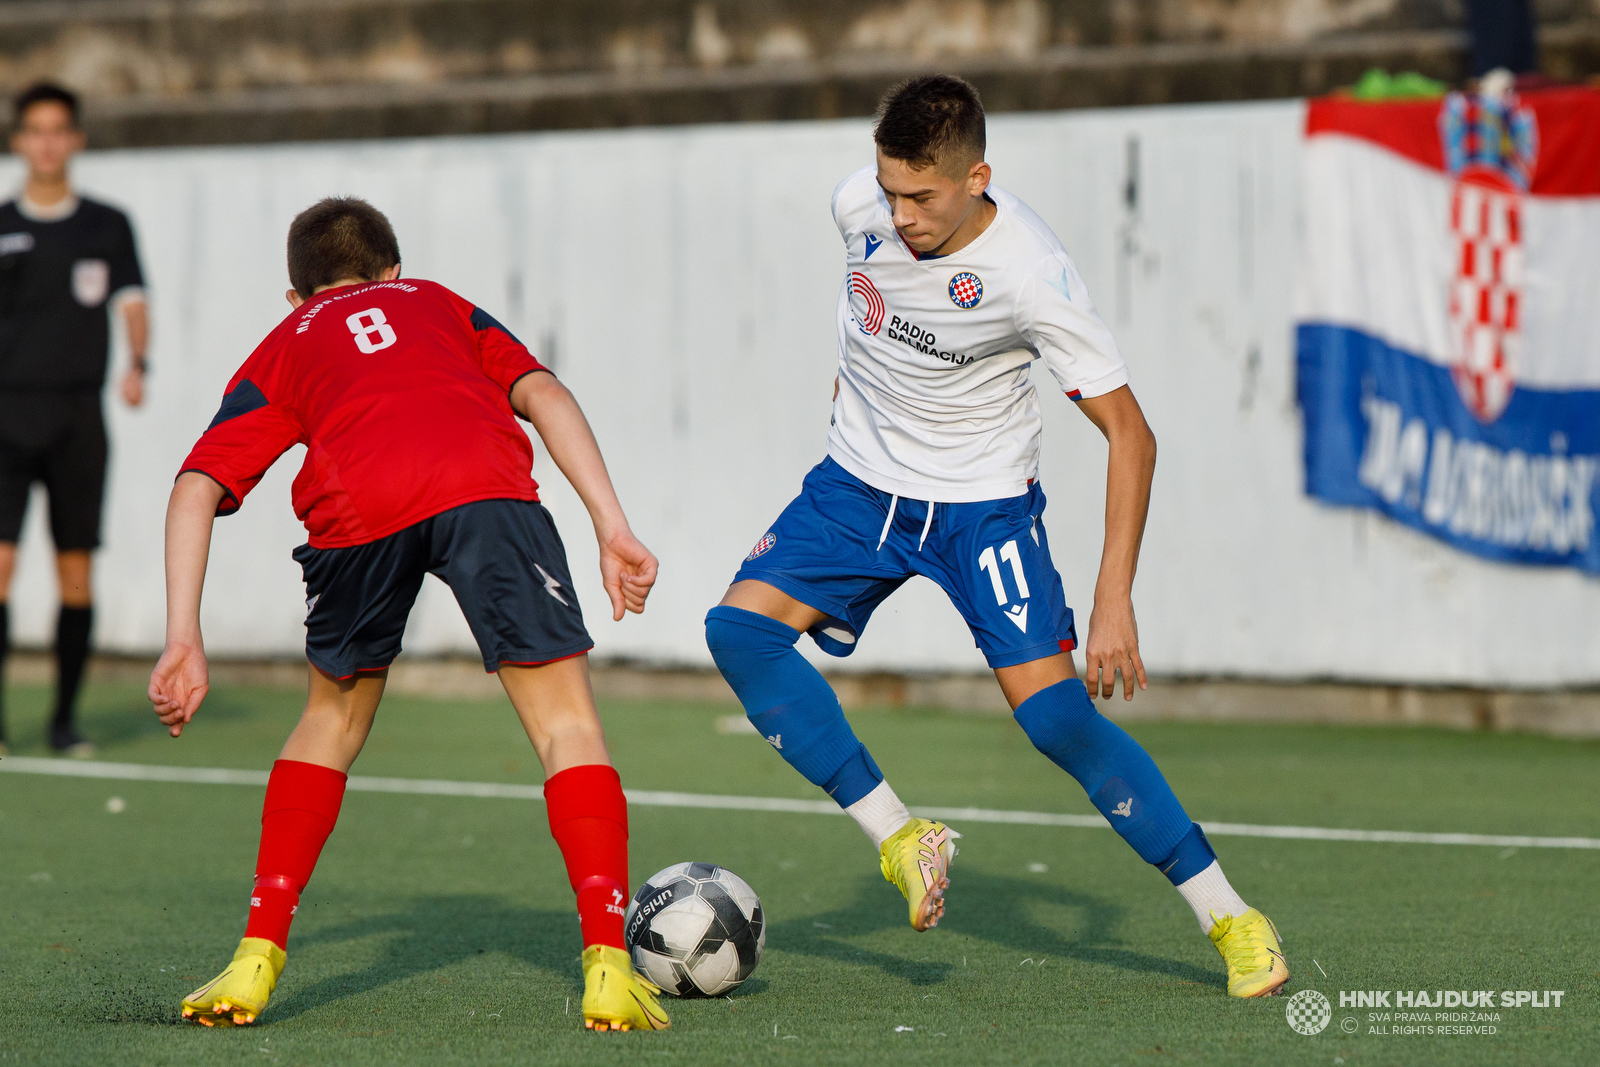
(931, 119)
(42, 93)
(339, 237)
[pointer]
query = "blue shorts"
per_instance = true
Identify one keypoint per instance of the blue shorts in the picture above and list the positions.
(842, 547)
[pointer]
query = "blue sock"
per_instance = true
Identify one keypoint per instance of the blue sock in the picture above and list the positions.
(790, 703)
(1192, 856)
(1118, 774)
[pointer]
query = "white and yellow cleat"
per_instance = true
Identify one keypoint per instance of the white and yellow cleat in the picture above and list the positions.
(1250, 947)
(917, 860)
(615, 997)
(238, 995)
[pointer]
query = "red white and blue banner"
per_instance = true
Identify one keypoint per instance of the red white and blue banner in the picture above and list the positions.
(1449, 325)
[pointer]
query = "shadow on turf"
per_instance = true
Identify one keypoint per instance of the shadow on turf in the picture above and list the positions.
(983, 906)
(108, 718)
(436, 932)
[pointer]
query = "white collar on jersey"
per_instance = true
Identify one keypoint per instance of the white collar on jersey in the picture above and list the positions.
(61, 209)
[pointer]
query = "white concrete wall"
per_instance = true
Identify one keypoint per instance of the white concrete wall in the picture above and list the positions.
(685, 279)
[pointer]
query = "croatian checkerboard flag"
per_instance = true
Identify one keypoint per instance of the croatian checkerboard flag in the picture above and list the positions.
(1449, 323)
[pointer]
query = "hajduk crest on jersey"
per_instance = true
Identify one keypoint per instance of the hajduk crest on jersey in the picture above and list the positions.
(1449, 370)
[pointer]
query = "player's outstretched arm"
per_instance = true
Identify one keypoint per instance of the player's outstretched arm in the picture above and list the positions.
(1113, 632)
(626, 567)
(180, 681)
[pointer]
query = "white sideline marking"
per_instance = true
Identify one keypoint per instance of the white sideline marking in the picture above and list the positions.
(143, 772)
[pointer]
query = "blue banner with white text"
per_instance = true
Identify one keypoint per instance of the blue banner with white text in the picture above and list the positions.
(1388, 430)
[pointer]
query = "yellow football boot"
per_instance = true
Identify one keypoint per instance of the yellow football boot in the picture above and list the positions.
(239, 994)
(917, 860)
(615, 997)
(1249, 945)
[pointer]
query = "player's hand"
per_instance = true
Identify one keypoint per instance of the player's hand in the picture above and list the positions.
(1113, 646)
(133, 387)
(628, 570)
(178, 685)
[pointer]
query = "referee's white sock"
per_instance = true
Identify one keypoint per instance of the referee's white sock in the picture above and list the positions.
(1209, 892)
(880, 814)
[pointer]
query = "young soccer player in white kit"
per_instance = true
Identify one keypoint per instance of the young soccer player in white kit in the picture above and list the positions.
(953, 288)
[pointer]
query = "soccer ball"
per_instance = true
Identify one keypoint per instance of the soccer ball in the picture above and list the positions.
(695, 930)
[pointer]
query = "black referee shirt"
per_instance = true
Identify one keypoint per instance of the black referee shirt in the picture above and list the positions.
(55, 281)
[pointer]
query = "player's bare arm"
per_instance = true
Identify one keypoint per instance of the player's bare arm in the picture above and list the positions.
(627, 568)
(1113, 632)
(180, 681)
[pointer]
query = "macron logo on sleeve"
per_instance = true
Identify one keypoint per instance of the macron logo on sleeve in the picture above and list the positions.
(873, 242)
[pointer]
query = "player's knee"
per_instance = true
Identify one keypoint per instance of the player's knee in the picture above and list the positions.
(1054, 716)
(746, 646)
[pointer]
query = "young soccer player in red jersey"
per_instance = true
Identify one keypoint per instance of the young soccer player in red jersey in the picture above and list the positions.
(405, 396)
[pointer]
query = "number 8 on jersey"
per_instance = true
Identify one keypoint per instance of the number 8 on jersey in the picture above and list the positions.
(364, 332)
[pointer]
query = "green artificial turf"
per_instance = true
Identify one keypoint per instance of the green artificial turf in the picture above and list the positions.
(441, 930)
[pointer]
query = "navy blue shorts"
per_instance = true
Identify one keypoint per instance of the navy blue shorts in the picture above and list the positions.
(842, 547)
(502, 559)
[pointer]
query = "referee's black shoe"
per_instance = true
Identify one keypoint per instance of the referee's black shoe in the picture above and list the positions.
(67, 741)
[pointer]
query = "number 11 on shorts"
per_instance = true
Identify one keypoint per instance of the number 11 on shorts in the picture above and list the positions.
(990, 566)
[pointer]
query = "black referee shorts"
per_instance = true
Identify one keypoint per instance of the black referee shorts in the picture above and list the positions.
(58, 439)
(502, 559)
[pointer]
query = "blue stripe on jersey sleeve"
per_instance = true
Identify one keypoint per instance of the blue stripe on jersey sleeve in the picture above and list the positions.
(482, 320)
(241, 400)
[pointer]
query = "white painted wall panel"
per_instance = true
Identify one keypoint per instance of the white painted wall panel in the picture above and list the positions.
(684, 281)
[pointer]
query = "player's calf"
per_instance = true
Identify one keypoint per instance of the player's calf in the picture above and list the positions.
(1124, 783)
(795, 709)
(300, 810)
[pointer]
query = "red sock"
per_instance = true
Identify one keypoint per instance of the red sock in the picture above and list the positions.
(302, 805)
(589, 820)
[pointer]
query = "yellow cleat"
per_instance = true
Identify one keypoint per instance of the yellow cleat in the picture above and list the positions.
(615, 997)
(239, 994)
(1249, 945)
(917, 860)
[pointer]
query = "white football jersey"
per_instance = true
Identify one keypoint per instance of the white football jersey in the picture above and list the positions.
(935, 402)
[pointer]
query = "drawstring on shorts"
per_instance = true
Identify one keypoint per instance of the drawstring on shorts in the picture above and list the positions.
(894, 506)
(894, 502)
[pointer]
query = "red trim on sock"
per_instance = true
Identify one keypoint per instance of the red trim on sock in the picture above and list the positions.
(299, 813)
(589, 820)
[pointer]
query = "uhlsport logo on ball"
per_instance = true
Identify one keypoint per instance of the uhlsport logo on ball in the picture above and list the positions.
(1308, 1012)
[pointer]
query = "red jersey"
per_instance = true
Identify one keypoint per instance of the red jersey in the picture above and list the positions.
(400, 392)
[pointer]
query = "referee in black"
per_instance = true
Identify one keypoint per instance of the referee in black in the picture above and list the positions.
(65, 262)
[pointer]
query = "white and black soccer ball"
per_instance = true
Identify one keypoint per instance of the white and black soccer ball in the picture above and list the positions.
(695, 930)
